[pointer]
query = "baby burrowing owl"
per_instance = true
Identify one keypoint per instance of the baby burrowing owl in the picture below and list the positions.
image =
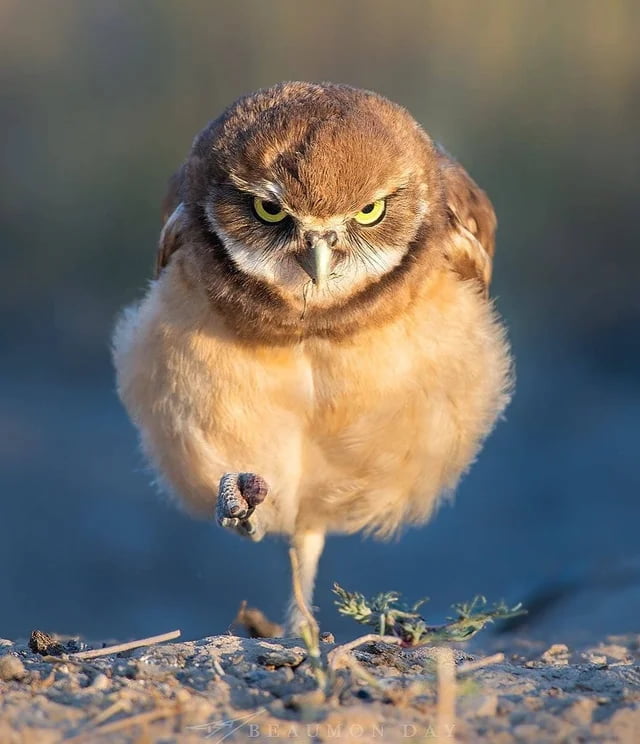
(317, 352)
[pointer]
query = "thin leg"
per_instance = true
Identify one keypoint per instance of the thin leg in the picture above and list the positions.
(308, 547)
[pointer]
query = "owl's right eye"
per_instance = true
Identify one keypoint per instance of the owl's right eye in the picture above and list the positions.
(268, 212)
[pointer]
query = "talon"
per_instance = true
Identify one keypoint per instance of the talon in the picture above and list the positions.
(249, 528)
(228, 522)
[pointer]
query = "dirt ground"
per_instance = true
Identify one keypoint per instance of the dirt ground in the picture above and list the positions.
(226, 688)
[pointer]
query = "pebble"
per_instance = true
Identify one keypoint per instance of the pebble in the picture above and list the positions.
(599, 660)
(101, 682)
(282, 657)
(11, 668)
(527, 731)
(556, 655)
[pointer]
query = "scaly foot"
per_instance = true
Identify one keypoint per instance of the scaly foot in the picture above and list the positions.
(238, 496)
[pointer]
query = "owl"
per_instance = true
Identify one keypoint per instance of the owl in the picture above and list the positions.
(317, 353)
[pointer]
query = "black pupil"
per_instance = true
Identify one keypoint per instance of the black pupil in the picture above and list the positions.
(367, 209)
(271, 207)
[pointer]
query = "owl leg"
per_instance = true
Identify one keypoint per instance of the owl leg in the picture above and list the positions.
(308, 546)
(238, 496)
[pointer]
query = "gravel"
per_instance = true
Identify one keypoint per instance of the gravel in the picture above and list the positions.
(253, 689)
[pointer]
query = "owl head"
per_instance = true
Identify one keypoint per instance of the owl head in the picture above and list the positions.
(306, 203)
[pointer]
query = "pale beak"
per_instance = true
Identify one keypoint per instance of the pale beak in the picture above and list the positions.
(317, 258)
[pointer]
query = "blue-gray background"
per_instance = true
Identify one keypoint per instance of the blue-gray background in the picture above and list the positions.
(99, 102)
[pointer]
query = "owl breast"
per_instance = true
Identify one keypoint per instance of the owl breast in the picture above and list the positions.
(397, 414)
(363, 433)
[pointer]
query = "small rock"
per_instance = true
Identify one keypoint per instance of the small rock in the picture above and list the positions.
(599, 660)
(145, 670)
(101, 682)
(124, 668)
(623, 725)
(279, 657)
(327, 637)
(580, 713)
(527, 731)
(11, 668)
(270, 681)
(557, 655)
(302, 700)
(533, 702)
(44, 644)
(615, 651)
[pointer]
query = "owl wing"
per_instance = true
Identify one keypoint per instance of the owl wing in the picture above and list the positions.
(172, 222)
(472, 222)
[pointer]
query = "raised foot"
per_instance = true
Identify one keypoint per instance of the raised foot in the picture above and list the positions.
(238, 496)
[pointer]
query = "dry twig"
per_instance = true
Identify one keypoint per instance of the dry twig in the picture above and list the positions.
(140, 719)
(336, 653)
(125, 646)
(256, 623)
(446, 705)
(471, 666)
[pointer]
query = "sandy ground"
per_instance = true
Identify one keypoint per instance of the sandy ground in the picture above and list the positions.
(237, 689)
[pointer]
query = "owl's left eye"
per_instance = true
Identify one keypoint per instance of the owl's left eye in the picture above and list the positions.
(372, 213)
(268, 211)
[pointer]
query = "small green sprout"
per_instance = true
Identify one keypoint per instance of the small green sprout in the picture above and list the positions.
(388, 615)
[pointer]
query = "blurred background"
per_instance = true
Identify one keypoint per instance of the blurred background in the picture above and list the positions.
(98, 105)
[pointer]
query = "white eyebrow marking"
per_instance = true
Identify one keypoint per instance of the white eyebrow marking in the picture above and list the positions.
(273, 188)
(267, 190)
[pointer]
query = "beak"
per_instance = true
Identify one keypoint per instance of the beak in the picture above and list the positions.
(316, 260)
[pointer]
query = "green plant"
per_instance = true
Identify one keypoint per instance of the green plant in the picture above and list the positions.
(388, 615)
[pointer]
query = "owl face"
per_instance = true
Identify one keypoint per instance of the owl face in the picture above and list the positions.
(313, 191)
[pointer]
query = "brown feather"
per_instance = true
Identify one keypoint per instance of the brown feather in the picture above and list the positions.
(172, 226)
(472, 222)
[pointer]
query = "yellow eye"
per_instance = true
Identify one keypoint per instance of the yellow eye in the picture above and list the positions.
(268, 211)
(372, 213)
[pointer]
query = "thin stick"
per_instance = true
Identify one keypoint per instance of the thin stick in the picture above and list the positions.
(340, 656)
(126, 646)
(334, 655)
(357, 670)
(60, 660)
(123, 723)
(217, 666)
(446, 705)
(120, 706)
(471, 666)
